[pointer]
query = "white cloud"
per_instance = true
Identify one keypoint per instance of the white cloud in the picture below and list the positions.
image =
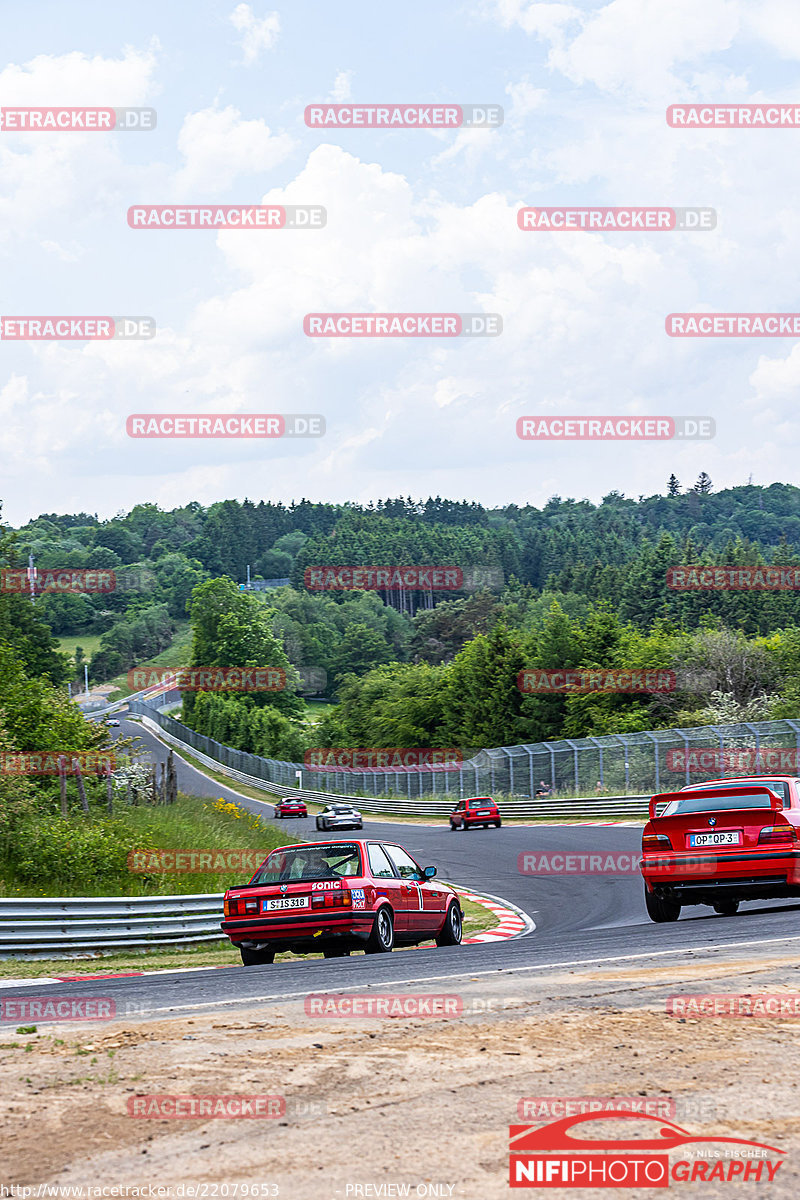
(45, 176)
(258, 33)
(217, 146)
(341, 91)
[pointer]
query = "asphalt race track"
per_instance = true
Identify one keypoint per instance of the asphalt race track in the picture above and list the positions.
(579, 919)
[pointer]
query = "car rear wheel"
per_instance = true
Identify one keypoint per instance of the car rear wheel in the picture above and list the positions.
(450, 934)
(319, 826)
(254, 958)
(726, 908)
(497, 824)
(453, 827)
(381, 940)
(659, 909)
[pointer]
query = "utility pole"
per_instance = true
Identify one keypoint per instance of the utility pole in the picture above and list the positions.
(32, 574)
(86, 676)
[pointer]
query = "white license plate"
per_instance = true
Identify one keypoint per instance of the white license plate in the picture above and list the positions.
(721, 837)
(285, 902)
(484, 812)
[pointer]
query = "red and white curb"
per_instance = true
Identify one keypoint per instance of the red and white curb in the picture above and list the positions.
(513, 921)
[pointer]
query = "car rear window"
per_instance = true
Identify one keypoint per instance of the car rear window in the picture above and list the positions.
(299, 863)
(779, 786)
(697, 803)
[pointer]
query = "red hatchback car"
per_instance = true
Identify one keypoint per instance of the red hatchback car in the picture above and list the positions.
(722, 842)
(291, 808)
(480, 810)
(337, 897)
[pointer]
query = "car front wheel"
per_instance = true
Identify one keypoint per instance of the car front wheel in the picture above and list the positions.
(381, 940)
(450, 934)
(254, 958)
(660, 910)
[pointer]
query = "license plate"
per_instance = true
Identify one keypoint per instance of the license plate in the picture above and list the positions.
(484, 812)
(285, 902)
(722, 837)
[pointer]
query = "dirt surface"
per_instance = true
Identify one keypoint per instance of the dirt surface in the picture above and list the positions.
(419, 1104)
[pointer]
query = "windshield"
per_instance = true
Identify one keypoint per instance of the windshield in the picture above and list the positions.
(300, 863)
(779, 786)
(695, 803)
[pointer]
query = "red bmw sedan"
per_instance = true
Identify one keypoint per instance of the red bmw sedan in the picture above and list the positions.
(337, 897)
(722, 842)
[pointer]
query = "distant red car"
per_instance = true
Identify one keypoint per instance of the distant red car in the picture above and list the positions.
(722, 842)
(480, 810)
(337, 897)
(291, 808)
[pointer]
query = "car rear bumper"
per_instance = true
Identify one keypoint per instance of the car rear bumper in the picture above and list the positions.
(298, 928)
(698, 878)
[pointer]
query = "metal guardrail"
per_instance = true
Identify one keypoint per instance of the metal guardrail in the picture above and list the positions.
(605, 806)
(45, 926)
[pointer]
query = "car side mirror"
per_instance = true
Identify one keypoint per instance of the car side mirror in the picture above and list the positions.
(429, 872)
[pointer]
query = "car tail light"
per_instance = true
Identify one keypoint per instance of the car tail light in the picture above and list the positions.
(656, 841)
(230, 906)
(251, 906)
(776, 833)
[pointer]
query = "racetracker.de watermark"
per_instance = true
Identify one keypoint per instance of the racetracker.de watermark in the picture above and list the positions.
(160, 1107)
(225, 425)
(210, 679)
(77, 120)
(733, 1004)
(76, 329)
(610, 429)
(782, 760)
(44, 1009)
(584, 680)
(392, 1005)
(737, 325)
(694, 578)
(733, 116)
(611, 220)
(585, 862)
(59, 762)
(552, 1108)
(403, 116)
(195, 862)
(227, 216)
(376, 758)
(368, 579)
(56, 579)
(424, 325)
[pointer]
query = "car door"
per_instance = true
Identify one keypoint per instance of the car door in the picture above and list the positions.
(388, 884)
(411, 878)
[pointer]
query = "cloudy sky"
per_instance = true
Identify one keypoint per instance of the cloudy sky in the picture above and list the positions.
(418, 221)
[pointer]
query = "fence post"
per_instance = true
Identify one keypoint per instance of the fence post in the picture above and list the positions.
(62, 783)
(76, 766)
(109, 789)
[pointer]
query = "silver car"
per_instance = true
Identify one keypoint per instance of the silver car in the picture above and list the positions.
(339, 816)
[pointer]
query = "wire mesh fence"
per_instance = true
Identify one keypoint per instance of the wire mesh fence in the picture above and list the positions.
(660, 760)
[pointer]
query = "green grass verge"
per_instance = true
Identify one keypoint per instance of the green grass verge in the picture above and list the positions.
(176, 655)
(212, 954)
(89, 641)
(88, 856)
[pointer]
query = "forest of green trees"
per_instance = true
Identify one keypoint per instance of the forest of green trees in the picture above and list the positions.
(570, 584)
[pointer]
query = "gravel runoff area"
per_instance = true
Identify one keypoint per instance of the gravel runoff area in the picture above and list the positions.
(404, 1105)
